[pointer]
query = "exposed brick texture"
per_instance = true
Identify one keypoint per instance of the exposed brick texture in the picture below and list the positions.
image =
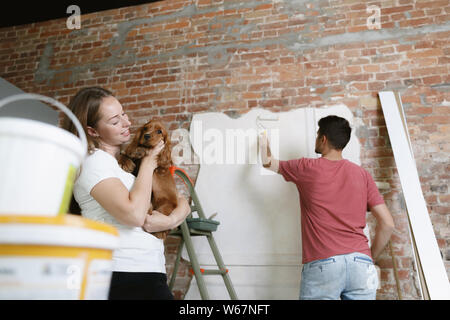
(171, 59)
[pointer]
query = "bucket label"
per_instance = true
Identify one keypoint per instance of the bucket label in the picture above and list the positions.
(40, 278)
(67, 195)
(98, 279)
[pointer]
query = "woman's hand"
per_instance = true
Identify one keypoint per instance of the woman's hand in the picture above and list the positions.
(150, 160)
(156, 221)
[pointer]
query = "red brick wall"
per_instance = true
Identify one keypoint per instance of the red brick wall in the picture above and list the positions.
(171, 59)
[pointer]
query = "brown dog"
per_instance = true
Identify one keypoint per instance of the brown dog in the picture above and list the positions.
(164, 192)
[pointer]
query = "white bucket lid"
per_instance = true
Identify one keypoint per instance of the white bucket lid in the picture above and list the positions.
(65, 231)
(60, 106)
(35, 130)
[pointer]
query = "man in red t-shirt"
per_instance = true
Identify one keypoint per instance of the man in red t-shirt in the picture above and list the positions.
(334, 197)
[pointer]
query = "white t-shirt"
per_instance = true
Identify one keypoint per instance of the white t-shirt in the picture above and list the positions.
(138, 250)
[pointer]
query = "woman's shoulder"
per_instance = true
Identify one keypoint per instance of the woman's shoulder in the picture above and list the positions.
(97, 166)
(100, 155)
(99, 158)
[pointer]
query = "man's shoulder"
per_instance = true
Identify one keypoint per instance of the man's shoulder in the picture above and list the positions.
(354, 167)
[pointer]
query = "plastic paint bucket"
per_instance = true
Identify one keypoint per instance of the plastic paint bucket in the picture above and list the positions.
(38, 162)
(65, 257)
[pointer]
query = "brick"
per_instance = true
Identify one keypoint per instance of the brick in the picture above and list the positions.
(421, 110)
(415, 22)
(432, 80)
(376, 86)
(178, 25)
(357, 77)
(424, 53)
(163, 79)
(353, 69)
(264, 6)
(377, 142)
(387, 11)
(371, 68)
(259, 87)
(436, 119)
(444, 198)
(251, 95)
(431, 4)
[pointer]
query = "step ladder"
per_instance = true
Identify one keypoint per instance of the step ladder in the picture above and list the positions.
(193, 227)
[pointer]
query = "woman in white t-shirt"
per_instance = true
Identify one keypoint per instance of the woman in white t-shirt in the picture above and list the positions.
(106, 193)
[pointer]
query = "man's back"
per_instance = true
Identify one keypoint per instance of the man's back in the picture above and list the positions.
(334, 198)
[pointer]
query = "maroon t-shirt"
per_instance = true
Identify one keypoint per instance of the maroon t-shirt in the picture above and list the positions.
(334, 199)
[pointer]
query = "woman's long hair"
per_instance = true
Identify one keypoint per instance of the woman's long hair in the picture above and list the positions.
(86, 107)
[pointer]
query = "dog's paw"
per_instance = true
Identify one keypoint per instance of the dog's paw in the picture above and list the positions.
(161, 234)
(139, 153)
(127, 164)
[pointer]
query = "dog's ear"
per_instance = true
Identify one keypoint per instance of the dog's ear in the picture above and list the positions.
(165, 157)
(132, 147)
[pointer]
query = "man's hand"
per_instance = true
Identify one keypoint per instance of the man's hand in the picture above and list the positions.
(384, 229)
(267, 160)
(266, 155)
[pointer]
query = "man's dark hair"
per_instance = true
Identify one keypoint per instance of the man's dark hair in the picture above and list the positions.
(336, 129)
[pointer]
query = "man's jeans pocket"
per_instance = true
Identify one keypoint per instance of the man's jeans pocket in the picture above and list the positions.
(366, 270)
(363, 259)
(320, 264)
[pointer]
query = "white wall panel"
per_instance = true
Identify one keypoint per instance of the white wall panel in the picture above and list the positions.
(259, 213)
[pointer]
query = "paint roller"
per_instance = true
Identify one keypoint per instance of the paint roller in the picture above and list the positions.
(260, 119)
(262, 128)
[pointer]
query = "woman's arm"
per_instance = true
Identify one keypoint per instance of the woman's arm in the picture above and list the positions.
(129, 207)
(159, 222)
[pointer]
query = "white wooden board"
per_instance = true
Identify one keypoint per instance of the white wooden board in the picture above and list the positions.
(436, 282)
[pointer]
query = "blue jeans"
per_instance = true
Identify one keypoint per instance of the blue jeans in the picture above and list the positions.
(348, 277)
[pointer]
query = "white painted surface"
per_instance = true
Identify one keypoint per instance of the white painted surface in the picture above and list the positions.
(259, 213)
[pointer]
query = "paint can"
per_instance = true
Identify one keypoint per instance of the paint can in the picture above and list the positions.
(65, 257)
(38, 163)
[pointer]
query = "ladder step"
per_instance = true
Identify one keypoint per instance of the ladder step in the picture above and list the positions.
(210, 272)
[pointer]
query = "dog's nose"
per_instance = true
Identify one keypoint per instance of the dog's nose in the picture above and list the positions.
(147, 136)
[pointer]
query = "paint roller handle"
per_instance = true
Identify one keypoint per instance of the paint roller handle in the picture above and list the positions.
(56, 103)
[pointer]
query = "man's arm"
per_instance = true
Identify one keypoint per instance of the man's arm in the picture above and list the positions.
(267, 160)
(384, 229)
